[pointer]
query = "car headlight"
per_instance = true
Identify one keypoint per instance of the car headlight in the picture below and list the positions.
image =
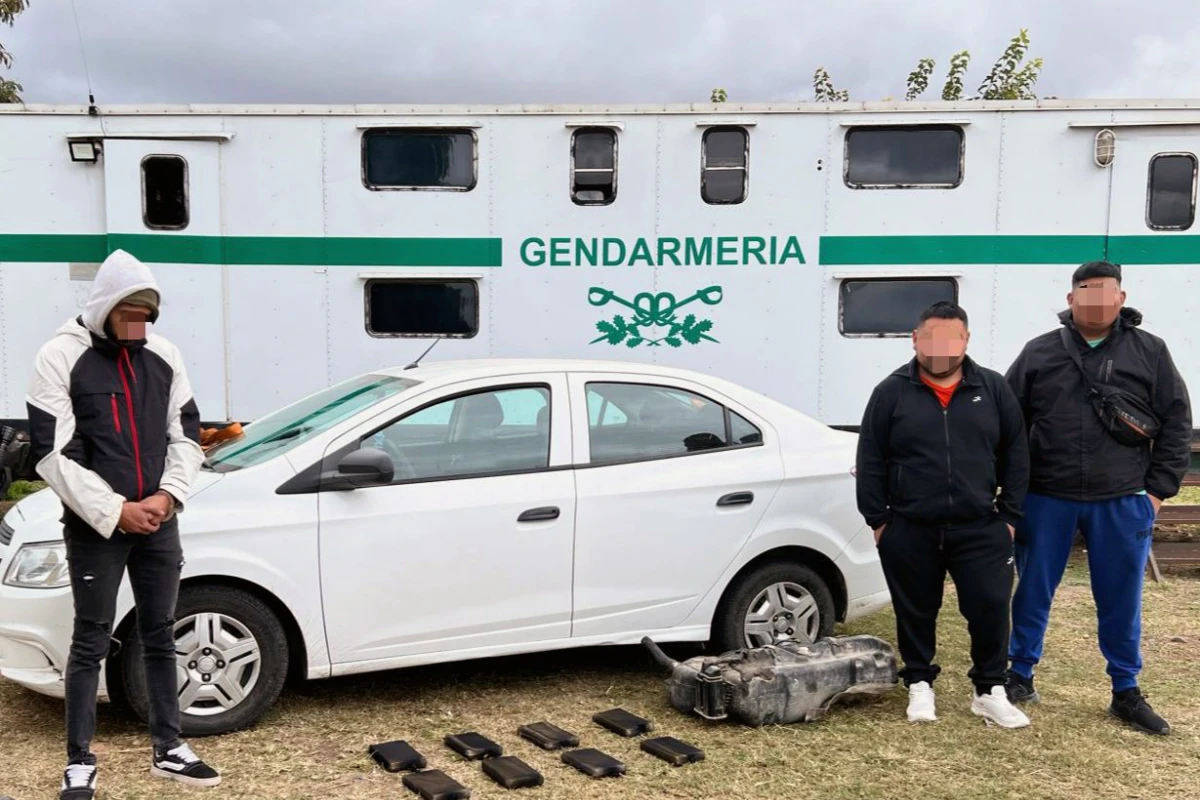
(39, 566)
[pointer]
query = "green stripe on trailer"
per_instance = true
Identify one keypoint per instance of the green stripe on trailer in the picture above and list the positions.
(297, 250)
(1008, 249)
(893, 250)
(1163, 248)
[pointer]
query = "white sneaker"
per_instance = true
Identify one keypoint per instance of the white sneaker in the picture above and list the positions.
(995, 708)
(78, 782)
(921, 703)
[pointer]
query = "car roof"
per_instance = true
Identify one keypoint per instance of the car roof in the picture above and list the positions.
(467, 369)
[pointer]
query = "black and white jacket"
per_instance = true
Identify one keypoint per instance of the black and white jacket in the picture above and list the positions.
(111, 423)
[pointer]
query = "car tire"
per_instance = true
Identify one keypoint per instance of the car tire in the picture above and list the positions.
(729, 629)
(245, 624)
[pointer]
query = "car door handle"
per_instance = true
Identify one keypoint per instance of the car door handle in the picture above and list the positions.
(539, 514)
(736, 499)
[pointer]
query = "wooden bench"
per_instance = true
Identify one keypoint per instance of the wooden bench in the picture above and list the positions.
(1175, 552)
(1186, 553)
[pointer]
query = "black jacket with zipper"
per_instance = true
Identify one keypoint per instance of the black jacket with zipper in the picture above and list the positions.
(112, 422)
(1072, 457)
(942, 466)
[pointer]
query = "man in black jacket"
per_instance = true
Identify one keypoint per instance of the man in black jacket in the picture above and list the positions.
(115, 433)
(939, 437)
(1083, 478)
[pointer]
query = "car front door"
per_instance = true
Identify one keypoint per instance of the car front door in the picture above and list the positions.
(469, 548)
(669, 489)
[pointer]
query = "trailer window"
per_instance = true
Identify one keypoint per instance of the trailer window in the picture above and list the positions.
(164, 193)
(724, 173)
(1171, 195)
(406, 307)
(420, 158)
(889, 306)
(904, 157)
(594, 166)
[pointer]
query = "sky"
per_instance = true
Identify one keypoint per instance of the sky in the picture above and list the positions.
(573, 51)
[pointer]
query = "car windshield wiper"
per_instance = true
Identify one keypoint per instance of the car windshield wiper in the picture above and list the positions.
(284, 435)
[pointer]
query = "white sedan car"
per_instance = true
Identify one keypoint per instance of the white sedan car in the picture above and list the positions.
(463, 510)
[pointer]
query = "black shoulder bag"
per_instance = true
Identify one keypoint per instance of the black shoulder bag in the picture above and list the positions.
(1125, 416)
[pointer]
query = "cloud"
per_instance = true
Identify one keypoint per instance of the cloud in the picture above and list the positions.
(1157, 57)
(572, 51)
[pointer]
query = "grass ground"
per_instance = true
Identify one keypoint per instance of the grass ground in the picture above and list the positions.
(314, 743)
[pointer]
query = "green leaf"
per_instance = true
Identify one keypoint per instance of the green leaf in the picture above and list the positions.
(634, 341)
(613, 333)
(674, 342)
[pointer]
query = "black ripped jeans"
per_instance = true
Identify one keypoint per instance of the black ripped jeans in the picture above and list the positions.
(96, 566)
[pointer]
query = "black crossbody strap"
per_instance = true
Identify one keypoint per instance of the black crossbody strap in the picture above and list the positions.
(1073, 352)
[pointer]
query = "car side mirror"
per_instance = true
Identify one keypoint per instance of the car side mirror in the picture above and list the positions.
(366, 467)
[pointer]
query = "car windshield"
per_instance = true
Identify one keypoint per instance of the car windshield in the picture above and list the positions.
(295, 424)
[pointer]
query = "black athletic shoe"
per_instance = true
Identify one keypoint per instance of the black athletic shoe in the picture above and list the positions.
(181, 764)
(78, 783)
(1020, 689)
(1129, 706)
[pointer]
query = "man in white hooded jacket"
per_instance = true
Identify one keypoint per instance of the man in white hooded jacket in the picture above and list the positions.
(115, 432)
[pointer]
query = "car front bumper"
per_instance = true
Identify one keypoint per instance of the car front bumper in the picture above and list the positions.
(35, 639)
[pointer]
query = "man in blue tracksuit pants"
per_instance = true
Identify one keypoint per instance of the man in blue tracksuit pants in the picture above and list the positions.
(1082, 478)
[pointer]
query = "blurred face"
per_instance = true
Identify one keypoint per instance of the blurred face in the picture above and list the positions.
(1096, 302)
(941, 345)
(129, 322)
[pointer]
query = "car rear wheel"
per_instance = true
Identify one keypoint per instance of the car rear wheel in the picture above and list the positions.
(773, 603)
(231, 656)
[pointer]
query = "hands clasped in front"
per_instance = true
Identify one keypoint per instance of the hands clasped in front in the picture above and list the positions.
(145, 516)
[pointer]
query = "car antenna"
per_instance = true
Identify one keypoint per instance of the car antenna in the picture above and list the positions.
(413, 365)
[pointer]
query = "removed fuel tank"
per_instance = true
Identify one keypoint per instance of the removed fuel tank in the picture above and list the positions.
(779, 683)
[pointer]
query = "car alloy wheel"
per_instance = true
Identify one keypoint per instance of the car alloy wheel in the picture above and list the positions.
(220, 662)
(232, 660)
(781, 611)
(761, 605)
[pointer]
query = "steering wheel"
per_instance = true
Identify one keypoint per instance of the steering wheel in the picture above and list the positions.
(404, 467)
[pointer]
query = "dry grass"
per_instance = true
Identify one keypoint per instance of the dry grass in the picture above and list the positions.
(313, 744)
(1188, 495)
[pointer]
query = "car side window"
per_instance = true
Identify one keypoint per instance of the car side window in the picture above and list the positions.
(483, 433)
(603, 412)
(657, 422)
(742, 431)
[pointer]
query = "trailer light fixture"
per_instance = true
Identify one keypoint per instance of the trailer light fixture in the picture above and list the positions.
(85, 150)
(1106, 148)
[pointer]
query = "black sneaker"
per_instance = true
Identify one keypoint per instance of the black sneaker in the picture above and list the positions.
(1020, 689)
(181, 764)
(1131, 707)
(78, 783)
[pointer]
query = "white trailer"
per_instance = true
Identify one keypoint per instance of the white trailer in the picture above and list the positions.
(788, 248)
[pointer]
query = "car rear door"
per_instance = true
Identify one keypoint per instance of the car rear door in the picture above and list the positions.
(470, 548)
(668, 491)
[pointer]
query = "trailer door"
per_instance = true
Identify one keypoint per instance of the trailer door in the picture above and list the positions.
(163, 205)
(1152, 232)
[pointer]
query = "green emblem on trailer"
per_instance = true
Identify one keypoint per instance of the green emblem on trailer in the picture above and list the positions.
(654, 318)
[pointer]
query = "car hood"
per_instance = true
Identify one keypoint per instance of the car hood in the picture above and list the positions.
(38, 516)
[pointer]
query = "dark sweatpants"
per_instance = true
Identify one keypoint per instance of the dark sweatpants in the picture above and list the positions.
(979, 558)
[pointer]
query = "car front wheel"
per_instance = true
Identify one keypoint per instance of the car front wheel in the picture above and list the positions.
(773, 603)
(231, 661)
